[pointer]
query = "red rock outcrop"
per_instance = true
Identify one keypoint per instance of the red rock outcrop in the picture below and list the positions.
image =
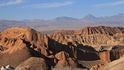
(62, 58)
(94, 36)
(105, 56)
(19, 45)
(14, 55)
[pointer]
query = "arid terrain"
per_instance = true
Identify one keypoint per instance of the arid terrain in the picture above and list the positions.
(89, 48)
(61, 34)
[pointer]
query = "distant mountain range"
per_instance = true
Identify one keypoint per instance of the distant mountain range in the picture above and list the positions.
(65, 22)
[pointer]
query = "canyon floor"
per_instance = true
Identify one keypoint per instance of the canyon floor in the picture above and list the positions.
(90, 48)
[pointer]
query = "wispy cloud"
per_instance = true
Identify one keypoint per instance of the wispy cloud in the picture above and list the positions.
(11, 2)
(51, 5)
(111, 4)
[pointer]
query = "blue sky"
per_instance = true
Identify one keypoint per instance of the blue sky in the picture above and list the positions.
(49, 9)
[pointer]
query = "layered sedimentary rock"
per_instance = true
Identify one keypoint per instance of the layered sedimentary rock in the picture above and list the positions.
(88, 48)
(94, 36)
(94, 30)
(14, 55)
(102, 39)
(18, 44)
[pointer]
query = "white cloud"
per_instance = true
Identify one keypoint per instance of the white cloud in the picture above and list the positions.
(110, 4)
(51, 5)
(11, 2)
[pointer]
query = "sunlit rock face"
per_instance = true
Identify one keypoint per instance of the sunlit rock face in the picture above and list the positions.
(18, 44)
(93, 36)
(105, 56)
(115, 65)
(88, 48)
(32, 63)
(100, 39)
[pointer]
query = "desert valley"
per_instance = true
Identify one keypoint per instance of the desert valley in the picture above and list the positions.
(61, 34)
(90, 48)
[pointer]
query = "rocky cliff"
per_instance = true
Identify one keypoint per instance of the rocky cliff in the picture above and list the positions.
(19, 44)
(88, 48)
(94, 36)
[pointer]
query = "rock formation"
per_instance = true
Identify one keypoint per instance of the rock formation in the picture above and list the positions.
(32, 63)
(88, 48)
(94, 36)
(19, 44)
(115, 65)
